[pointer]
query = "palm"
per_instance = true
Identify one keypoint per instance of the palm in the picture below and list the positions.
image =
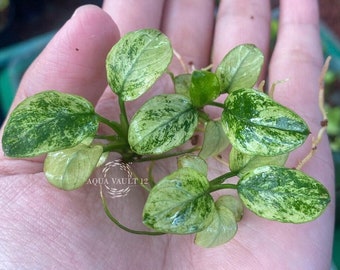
(44, 227)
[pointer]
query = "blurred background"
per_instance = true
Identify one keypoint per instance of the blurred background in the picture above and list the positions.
(25, 28)
(27, 25)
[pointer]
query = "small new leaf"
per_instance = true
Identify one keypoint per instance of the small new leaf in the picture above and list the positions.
(257, 125)
(194, 162)
(162, 123)
(283, 194)
(240, 68)
(215, 140)
(180, 203)
(136, 61)
(234, 204)
(182, 84)
(221, 229)
(205, 87)
(70, 168)
(242, 163)
(48, 121)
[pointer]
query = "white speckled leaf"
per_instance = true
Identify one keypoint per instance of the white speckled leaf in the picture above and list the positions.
(182, 84)
(162, 123)
(257, 125)
(48, 121)
(70, 168)
(242, 163)
(180, 203)
(102, 159)
(221, 229)
(136, 61)
(240, 68)
(282, 194)
(215, 140)
(234, 204)
(194, 162)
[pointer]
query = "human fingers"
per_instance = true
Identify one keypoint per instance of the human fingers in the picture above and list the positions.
(189, 25)
(298, 58)
(74, 60)
(135, 14)
(129, 16)
(238, 22)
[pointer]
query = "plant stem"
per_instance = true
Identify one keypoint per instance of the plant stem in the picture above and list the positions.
(106, 137)
(204, 116)
(216, 104)
(115, 146)
(112, 124)
(124, 122)
(115, 221)
(219, 180)
(213, 188)
(150, 176)
(167, 155)
(140, 182)
(172, 76)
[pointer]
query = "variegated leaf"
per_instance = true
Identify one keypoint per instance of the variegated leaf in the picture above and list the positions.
(70, 168)
(180, 203)
(241, 163)
(234, 204)
(182, 84)
(162, 123)
(257, 125)
(221, 229)
(136, 61)
(240, 68)
(282, 194)
(194, 162)
(48, 121)
(215, 140)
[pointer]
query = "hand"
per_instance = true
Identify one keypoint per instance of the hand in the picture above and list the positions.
(42, 227)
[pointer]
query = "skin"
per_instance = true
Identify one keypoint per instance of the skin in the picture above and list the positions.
(44, 228)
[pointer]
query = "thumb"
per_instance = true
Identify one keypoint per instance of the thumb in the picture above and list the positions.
(74, 60)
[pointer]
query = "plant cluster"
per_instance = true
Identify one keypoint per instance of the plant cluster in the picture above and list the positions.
(260, 132)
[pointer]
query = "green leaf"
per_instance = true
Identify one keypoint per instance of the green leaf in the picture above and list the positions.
(333, 125)
(234, 204)
(215, 140)
(162, 123)
(242, 163)
(283, 194)
(240, 68)
(102, 159)
(136, 61)
(48, 121)
(257, 125)
(180, 203)
(70, 168)
(194, 162)
(205, 87)
(222, 229)
(182, 84)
